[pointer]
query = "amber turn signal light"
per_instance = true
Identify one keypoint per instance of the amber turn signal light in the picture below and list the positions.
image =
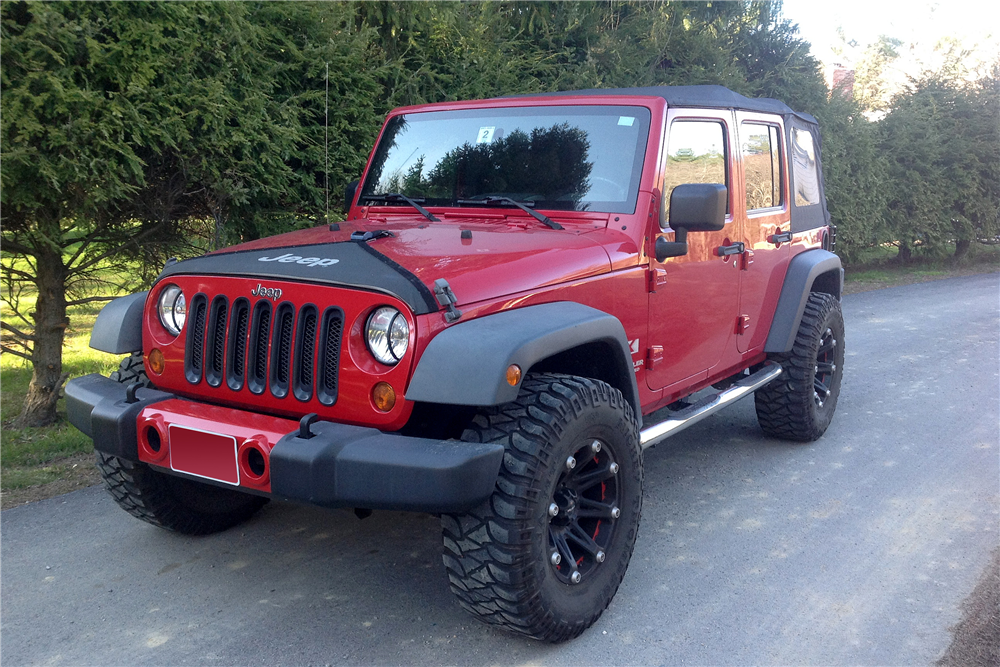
(156, 361)
(384, 396)
(513, 375)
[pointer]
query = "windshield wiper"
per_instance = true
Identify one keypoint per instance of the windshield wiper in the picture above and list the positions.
(491, 199)
(395, 196)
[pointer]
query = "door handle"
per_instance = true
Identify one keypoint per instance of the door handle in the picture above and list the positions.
(734, 249)
(781, 237)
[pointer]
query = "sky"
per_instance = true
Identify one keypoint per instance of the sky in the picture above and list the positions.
(919, 24)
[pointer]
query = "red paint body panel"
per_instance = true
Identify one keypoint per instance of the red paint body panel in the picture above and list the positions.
(241, 425)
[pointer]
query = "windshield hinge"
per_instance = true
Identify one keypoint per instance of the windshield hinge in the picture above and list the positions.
(369, 236)
(442, 290)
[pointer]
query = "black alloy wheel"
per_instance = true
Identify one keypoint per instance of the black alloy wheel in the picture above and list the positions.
(583, 512)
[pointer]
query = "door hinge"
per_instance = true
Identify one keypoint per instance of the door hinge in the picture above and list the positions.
(742, 324)
(746, 259)
(657, 277)
(654, 355)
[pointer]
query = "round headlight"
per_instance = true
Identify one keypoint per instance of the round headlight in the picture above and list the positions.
(387, 335)
(172, 308)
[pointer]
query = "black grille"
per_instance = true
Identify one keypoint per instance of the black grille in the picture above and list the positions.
(329, 358)
(195, 348)
(261, 331)
(215, 349)
(236, 349)
(305, 346)
(263, 346)
(281, 349)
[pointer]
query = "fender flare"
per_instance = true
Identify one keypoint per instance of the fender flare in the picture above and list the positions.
(810, 271)
(118, 328)
(466, 364)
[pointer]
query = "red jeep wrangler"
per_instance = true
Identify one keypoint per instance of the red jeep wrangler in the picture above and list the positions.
(518, 282)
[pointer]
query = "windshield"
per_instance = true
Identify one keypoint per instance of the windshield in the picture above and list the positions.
(571, 158)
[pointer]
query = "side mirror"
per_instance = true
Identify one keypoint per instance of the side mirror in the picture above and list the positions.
(698, 207)
(694, 207)
(349, 192)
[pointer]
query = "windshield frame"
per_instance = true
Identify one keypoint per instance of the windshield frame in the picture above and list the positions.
(638, 108)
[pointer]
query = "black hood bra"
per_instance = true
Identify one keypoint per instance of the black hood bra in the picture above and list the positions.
(344, 264)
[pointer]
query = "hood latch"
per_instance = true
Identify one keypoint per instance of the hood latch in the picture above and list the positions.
(444, 295)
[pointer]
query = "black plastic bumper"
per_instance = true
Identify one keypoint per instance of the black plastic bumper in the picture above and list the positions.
(96, 405)
(340, 466)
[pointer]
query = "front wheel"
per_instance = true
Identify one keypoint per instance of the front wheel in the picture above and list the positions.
(546, 553)
(800, 403)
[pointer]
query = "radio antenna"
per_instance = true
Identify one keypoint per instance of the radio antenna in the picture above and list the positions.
(326, 142)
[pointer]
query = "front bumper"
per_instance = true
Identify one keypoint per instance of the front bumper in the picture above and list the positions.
(340, 466)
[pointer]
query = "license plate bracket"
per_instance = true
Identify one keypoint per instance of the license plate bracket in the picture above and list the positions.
(204, 454)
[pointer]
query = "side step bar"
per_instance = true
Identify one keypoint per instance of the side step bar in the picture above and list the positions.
(693, 414)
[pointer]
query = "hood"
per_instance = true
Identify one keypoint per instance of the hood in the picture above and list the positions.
(479, 259)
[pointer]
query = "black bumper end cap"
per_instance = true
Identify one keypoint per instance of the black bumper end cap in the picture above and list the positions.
(98, 406)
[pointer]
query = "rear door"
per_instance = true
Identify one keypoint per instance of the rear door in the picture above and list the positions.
(763, 216)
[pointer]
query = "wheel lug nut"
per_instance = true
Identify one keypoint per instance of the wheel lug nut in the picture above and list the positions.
(575, 577)
(553, 509)
(599, 556)
(570, 463)
(595, 446)
(555, 559)
(613, 468)
(615, 512)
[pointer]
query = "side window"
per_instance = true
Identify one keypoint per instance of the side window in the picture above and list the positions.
(696, 153)
(804, 168)
(761, 165)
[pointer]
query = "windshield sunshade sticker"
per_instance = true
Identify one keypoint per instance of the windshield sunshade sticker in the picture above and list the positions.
(352, 265)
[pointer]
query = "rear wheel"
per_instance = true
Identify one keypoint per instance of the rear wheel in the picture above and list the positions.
(800, 403)
(546, 553)
(164, 500)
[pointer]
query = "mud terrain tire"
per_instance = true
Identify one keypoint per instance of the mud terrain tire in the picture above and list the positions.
(800, 403)
(166, 501)
(500, 557)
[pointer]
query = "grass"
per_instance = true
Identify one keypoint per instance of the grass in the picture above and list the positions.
(33, 456)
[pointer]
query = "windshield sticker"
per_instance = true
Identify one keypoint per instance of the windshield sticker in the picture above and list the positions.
(626, 120)
(485, 135)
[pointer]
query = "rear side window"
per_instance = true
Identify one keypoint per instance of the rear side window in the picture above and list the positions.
(696, 153)
(804, 168)
(761, 165)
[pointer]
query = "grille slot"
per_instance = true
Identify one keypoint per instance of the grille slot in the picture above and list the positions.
(236, 348)
(281, 349)
(260, 331)
(215, 348)
(329, 356)
(305, 353)
(194, 348)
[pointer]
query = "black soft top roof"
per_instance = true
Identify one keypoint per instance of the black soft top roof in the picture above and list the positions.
(711, 97)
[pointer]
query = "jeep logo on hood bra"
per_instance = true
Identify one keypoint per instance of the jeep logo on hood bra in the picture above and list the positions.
(289, 258)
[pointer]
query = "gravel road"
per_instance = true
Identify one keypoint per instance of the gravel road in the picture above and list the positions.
(856, 549)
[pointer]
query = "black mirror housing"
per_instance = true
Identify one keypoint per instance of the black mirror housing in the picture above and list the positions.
(349, 192)
(698, 207)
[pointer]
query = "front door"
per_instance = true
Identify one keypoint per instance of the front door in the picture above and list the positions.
(694, 298)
